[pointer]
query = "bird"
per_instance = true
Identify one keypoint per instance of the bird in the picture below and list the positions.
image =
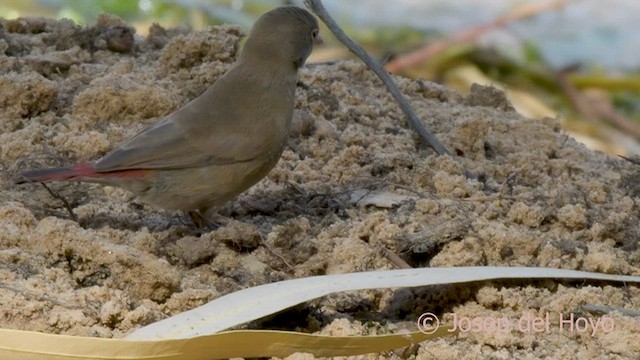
(220, 144)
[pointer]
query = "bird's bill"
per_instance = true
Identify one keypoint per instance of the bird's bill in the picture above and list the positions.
(318, 40)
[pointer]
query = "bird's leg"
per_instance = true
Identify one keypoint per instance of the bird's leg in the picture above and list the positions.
(198, 220)
(204, 220)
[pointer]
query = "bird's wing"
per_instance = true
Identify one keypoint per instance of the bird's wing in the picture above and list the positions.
(163, 145)
(237, 119)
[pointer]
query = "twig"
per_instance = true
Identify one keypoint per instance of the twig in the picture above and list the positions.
(593, 110)
(276, 254)
(603, 309)
(384, 183)
(395, 259)
(632, 160)
(575, 97)
(317, 7)
(33, 295)
(494, 197)
(470, 34)
(65, 203)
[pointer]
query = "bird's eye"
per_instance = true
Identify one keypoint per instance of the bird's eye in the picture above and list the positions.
(314, 34)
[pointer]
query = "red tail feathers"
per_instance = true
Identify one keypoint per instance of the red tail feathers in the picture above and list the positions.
(82, 170)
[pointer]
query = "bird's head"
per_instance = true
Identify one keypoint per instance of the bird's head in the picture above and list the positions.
(284, 34)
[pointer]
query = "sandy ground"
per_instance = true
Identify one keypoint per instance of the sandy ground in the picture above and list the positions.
(357, 183)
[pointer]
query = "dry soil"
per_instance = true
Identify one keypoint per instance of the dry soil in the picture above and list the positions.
(357, 185)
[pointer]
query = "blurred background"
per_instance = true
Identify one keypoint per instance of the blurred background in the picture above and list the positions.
(575, 60)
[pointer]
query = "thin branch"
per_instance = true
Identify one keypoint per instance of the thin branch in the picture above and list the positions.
(595, 111)
(39, 297)
(276, 254)
(318, 8)
(632, 160)
(65, 203)
(470, 34)
(603, 309)
(395, 259)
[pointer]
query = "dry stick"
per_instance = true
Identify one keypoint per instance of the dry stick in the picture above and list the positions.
(277, 254)
(65, 203)
(603, 309)
(395, 259)
(317, 7)
(471, 34)
(594, 112)
(631, 160)
(33, 295)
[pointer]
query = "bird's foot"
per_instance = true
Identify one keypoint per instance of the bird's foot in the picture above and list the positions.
(207, 224)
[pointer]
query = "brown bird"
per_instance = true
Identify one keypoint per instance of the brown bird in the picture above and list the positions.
(221, 143)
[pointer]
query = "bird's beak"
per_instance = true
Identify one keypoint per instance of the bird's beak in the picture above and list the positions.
(318, 40)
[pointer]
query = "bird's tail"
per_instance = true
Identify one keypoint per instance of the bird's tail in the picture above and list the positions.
(76, 172)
